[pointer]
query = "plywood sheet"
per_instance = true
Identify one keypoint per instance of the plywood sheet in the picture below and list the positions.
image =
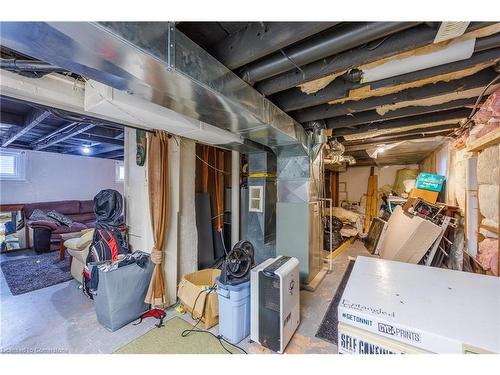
(407, 238)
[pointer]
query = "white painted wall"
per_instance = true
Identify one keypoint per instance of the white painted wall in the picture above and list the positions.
(356, 178)
(54, 177)
(181, 249)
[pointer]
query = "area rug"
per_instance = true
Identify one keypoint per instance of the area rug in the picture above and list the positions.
(168, 340)
(35, 272)
(328, 329)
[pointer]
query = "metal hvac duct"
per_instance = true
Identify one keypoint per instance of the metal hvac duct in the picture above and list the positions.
(329, 43)
(157, 63)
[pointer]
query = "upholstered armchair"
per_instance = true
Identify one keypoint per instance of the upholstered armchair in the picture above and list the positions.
(78, 248)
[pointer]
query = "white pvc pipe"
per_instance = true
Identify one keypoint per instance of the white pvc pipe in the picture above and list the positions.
(455, 51)
(235, 197)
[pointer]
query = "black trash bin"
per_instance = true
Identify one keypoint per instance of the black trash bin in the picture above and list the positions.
(41, 239)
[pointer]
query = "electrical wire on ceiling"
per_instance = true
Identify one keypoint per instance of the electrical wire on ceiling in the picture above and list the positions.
(369, 48)
(468, 123)
(293, 62)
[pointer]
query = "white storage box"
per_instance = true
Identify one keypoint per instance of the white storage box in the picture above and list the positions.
(430, 309)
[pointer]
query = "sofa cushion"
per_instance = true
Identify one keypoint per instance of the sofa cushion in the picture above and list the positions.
(51, 225)
(82, 218)
(70, 207)
(74, 227)
(90, 224)
(63, 219)
(87, 207)
(39, 215)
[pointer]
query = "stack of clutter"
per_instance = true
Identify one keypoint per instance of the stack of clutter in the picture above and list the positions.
(427, 187)
(351, 220)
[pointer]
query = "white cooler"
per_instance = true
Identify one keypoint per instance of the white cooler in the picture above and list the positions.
(393, 307)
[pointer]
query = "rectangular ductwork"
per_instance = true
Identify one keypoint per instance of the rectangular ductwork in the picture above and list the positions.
(156, 63)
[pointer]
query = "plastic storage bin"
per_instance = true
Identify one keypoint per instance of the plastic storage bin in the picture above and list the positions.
(234, 311)
(119, 298)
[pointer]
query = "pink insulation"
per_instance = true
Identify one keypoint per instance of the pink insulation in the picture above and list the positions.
(488, 255)
(489, 111)
(486, 119)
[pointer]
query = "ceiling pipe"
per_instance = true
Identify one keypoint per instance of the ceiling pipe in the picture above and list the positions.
(30, 68)
(340, 88)
(326, 44)
(255, 41)
(403, 41)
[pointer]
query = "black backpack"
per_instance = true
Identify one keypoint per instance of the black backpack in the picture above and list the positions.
(110, 235)
(106, 246)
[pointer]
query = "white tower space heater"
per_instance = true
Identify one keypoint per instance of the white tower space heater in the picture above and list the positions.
(275, 310)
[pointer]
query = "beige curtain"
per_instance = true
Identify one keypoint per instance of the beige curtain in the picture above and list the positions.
(158, 189)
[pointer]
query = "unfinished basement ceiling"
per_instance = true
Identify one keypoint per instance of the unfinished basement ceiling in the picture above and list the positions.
(33, 127)
(350, 76)
(367, 81)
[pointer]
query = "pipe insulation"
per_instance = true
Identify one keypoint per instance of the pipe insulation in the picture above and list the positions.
(455, 51)
(337, 40)
(29, 66)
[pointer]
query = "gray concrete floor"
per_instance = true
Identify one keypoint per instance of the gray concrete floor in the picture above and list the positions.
(60, 319)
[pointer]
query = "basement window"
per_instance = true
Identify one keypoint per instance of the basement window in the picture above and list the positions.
(12, 165)
(256, 201)
(120, 172)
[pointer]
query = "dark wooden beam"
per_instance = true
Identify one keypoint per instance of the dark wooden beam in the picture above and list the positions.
(372, 116)
(434, 130)
(33, 118)
(11, 120)
(295, 98)
(452, 115)
(323, 111)
(387, 140)
(95, 138)
(78, 129)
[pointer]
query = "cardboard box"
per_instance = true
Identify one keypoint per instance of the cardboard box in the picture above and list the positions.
(192, 290)
(429, 196)
(420, 307)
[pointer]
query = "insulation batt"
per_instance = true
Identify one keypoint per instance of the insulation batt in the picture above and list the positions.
(488, 255)
(459, 181)
(487, 118)
(488, 202)
(488, 166)
(490, 110)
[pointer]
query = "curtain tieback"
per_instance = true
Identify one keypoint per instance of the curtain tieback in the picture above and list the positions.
(156, 256)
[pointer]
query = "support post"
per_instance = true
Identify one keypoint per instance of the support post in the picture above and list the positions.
(235, 197)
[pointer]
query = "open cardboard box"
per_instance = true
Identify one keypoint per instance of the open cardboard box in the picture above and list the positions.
(190, 291)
